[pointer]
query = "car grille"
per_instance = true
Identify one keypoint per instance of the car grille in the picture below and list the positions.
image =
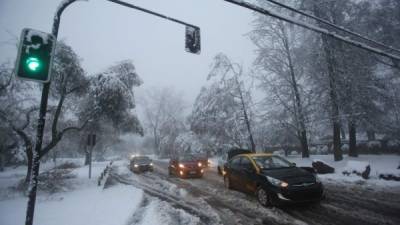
(191, 166)
(304, 193)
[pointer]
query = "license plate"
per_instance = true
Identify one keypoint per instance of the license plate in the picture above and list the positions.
(192, 172)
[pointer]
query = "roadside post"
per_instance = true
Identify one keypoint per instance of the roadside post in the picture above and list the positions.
(91, 142)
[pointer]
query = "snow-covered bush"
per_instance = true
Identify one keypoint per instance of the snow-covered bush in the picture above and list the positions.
(359, 168)
(294, 153)
(279, 152)
(393, 143)
(374, 144)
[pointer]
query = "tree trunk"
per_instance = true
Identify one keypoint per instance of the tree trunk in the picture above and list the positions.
(2, 162)
(305, 153)
(332, 75)
(29, 157)
(352, 139)
(246, 118)
(299, 114)
(337, 151)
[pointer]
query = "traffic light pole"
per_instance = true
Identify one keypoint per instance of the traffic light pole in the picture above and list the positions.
(44, 99)
(40, 128)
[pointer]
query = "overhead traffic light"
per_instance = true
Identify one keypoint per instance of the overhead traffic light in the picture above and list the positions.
(35, 54)
(192, 42)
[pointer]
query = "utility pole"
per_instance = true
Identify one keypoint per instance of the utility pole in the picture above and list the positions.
(192, 46)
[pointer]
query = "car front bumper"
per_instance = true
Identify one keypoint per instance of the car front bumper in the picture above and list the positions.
(143, 168)
(191, 172)
(310, 193)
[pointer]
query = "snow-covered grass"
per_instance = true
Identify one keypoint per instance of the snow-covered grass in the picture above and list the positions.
(379, 164)
(160, 212)
(86, 204)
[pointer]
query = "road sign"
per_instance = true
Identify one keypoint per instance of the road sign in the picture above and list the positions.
(35, 55)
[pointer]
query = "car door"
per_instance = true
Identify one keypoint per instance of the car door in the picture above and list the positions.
(247, 175)
(234, 170)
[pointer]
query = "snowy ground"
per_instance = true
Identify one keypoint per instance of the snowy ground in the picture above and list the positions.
(85, 203)
(155, 198)
(379, 164)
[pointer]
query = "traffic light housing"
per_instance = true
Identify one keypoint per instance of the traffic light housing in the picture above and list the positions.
(35, 55)
(192, 42)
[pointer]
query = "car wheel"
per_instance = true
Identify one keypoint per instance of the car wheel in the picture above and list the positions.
(227, 182)
(262, 197)
(219, 170)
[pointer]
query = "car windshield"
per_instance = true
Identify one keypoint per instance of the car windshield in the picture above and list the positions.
(142, 159)
(271, 162)
(186, 158)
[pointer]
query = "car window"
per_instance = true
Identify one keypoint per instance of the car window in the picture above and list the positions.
(271, 162)
(245, 163)
(142, 159)
(187, 158)
(235, 161)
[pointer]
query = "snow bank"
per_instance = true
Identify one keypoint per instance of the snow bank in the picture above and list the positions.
(87, 204)
(357, 166)
(81, 207)
(380, 164)
(160, 212)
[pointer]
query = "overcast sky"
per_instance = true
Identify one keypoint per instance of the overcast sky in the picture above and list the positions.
(103, 33)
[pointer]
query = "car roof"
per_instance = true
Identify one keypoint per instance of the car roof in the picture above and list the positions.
(256, 154)
(234, 152)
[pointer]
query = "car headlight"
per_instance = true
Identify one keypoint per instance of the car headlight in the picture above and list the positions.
(181, 165)
(199, 164)
(151, 164)
(136, 165)
(277, 182)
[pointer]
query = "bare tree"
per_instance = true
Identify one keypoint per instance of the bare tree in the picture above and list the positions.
(164, 111)
(276, 61)
(223, 108)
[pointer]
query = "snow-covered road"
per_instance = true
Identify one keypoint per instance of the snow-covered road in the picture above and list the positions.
(205, 201)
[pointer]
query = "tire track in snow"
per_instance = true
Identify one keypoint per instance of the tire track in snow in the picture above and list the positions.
(174, 201)
(244, 209)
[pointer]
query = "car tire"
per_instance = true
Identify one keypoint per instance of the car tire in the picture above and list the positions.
(227, 182)
(263, 197)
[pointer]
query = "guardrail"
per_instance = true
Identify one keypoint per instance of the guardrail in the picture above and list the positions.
(104, 174)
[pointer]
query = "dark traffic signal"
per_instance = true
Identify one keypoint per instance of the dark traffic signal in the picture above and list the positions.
(35, 55)
(192, 42)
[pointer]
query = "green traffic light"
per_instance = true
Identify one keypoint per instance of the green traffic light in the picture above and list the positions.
(33, 63)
